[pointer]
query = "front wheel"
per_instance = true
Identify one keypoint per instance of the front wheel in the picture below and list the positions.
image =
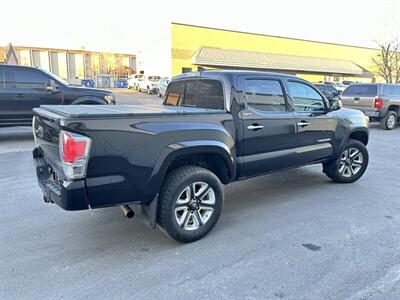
(389, 121)
(190, 203)
(350, 165)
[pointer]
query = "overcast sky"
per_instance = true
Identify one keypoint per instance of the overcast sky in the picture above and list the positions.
(131, 26)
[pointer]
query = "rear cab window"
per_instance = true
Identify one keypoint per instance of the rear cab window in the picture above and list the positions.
(198, 93)
(361, 90)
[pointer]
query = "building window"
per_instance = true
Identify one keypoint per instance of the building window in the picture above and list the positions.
(186, 70)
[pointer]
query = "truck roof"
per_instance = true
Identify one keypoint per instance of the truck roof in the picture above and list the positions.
(229, 73)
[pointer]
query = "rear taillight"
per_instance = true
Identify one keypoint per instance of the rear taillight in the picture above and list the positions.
(74, 154)
(378, 103)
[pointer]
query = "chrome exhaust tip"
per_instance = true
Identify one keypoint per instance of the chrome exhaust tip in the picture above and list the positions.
(128, 212)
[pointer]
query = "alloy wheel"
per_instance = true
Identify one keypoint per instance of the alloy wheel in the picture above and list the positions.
(391, 121)
(194, 206)
(351, 162)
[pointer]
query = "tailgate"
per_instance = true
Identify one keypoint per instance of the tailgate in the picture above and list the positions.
(357, 102)
(360, 96)
(46, 129)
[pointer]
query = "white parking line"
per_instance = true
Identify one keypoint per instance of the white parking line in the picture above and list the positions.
(381, 286)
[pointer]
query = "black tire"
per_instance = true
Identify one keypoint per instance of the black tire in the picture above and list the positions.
(334, 169)
(387, 122)
(175, 184)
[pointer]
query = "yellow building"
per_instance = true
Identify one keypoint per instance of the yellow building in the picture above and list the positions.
(195, 48)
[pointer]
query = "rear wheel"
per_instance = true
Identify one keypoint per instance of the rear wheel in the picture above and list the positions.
(190, 203)
(389, 121)
(351, 164)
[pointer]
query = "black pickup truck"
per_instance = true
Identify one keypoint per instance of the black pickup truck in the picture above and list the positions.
(24, 88)
(215, 127)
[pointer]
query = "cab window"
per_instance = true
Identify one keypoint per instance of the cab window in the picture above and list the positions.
(265, 94)
(29, 79)
(305, 97)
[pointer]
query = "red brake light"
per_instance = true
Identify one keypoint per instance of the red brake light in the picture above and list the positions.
(378, 103)
(72, 148)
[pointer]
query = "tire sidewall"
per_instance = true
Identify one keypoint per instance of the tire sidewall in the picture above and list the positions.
(361, 147)
(185, 235)
(391, 113)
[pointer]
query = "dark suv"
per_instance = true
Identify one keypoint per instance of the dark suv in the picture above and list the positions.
(24, 88)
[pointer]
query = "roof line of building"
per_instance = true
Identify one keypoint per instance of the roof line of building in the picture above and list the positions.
(67, 50)
(274, 36)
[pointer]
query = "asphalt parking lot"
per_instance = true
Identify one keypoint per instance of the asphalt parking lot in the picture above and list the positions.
(290, 235)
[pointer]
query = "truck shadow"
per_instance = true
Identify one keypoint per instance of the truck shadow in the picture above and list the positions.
(106, 228)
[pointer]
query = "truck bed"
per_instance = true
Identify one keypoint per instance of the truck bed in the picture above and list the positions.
(103, 111)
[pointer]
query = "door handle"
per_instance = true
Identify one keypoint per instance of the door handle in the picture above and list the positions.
(19, 96)
(255, 127)
(303, 124)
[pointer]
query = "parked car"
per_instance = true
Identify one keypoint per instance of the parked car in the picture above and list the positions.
(337, 85)
(149, 84)
(328, 91)
(162, 86)
(133, 81)
(88, 83)
(380, 102)
(24, 88)
(216, 127)
(348, 82)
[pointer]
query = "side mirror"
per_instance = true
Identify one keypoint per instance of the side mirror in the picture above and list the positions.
(51, 86)
(336, 104)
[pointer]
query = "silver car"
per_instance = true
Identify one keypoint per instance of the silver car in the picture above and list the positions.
(379, 101)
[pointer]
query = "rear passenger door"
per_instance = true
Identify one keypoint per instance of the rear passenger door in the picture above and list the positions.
(268, 126)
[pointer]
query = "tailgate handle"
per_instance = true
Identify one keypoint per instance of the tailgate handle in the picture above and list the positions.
(356, 98)
(19, 96)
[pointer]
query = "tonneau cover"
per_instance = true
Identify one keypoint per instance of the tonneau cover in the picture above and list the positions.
(98, 111)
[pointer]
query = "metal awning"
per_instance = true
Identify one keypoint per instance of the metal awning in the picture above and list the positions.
(220, 57)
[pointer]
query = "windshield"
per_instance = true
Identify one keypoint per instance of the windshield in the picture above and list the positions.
(154, 78)
(363, 90)
(54, 76)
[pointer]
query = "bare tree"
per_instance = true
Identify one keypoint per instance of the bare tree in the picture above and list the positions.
(388, 61)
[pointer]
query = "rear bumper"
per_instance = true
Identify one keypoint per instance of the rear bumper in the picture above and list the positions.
(371, 113)
(69, 195)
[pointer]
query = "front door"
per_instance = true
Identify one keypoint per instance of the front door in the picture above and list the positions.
(268, 126)
(315, 128)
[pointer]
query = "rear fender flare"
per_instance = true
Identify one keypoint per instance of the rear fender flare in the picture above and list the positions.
(172, 152)
(89, 100)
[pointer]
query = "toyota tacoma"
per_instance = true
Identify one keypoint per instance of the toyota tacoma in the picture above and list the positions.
(215, 127)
